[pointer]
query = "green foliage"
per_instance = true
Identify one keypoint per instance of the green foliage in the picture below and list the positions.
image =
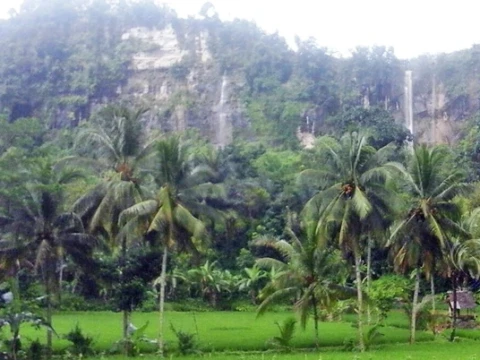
(25, 133)
(36, 350)
(82, 345)
(372, 336)
(186, 341)
(131, 344)
(286, 329)
(386, 290)
(14, 319)
(376, 122)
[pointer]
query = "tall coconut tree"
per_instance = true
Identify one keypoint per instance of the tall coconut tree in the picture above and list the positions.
(353, 203)
(421, 237)
(173, 214)
(305, 272)
(37, 230)
(114, 144)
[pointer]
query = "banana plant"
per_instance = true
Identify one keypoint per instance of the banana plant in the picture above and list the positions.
(14, 320)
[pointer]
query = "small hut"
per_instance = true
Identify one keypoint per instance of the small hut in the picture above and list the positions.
(465, 301)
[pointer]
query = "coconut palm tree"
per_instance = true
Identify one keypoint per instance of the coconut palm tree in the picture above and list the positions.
(462, 259)
(39, 231)
(173, 223)
(114, 143)
(303, 271)
(354, 203)
(421, 237)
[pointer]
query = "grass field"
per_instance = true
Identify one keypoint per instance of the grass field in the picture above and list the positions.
(438, 350)
(216, 331)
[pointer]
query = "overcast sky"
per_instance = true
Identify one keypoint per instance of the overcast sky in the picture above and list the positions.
(412, 27)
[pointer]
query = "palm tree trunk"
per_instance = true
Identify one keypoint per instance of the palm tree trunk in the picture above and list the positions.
(369, 277)
(162, 301)
(413, 320)
(125, 311)
(432, 291)
(315, 320)
(126, 318)
(49, 319)
(358, 278)
(454, 315)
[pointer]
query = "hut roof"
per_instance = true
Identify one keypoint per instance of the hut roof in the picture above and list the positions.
(465, 300)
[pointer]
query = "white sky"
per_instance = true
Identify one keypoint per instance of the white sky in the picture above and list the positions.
(412, 27)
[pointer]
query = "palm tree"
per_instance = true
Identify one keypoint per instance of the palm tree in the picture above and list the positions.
(114, 140)
(39, 231)
(170, 215)
(304, 272)
(420, 239)
(462, 259)
(354, 203)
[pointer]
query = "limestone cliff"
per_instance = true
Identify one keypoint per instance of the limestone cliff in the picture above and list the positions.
(181, 83)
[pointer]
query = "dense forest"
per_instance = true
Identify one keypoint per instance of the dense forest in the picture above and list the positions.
(189, 185)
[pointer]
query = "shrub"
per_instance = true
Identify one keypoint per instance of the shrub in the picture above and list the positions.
(36, 350)
(287, 329)
(186, 341)
(81, 344)
(131, 345)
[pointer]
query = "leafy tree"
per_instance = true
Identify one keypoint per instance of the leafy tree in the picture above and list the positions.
(379, 123)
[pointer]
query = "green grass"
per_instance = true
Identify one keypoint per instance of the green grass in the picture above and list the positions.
(438, 350)
(217, 331)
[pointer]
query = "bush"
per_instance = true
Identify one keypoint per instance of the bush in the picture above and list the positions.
(186, 341)
(75, 302)
(286, 329)
(188, 305)
(150, 304)
(81, 344)
(36, 350)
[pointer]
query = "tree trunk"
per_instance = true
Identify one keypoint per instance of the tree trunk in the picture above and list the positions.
(432, 291)
(315, 321)
(49, 320)
(358, 277)
(369, 277)
(454, 314)
(253, 296)
(125, 311)
(413, 320)
(162, 301)
(126, 318)
(60, 281)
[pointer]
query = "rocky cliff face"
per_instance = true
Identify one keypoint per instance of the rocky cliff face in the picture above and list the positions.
(178, 79)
